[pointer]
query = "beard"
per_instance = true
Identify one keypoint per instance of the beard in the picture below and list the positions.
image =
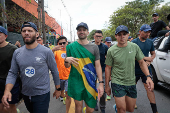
(82, 37)
(31, 41)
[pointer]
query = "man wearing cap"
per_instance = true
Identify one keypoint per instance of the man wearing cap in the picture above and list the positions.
(6, 52)
(84, 59)
(120, 64)
(146, 45)
(156, 26)
(51, 46)
(108, 41)
(33, 61)
(130, 38)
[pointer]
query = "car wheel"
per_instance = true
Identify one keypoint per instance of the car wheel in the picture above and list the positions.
(155, 79)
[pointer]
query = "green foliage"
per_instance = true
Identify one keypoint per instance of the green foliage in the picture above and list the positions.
(91, 34)
(134, 14)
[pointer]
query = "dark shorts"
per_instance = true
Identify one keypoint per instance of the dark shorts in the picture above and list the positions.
(143, 77)
(37, 104)
(121, 90)
(15, 94)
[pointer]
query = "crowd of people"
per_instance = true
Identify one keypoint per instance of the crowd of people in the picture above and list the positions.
(76, 68)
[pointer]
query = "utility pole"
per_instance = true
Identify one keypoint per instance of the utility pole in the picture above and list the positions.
(39, 17)
(70, 30)
(43, 21)
(4, 23)
(61, 21)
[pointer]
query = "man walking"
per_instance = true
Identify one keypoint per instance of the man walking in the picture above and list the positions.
(33, 61)
(6, 52)
(103, 51)
(83, 56)
(146, 45)
(108, 41)
(60, 55)
(120, 64)
(156, 26)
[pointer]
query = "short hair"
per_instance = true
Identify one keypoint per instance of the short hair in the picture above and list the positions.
(60, 38)
(98, 31)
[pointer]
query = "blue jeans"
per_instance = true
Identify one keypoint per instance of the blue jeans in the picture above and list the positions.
(38, 103)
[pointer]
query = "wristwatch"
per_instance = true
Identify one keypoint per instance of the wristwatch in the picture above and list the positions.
(149, 76)
(58, 89)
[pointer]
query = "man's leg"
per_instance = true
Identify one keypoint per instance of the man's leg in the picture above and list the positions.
(40, 103)
(68, 102)
(130, 104)
(78, 106)
(28, 103)
(88, 109)
(68, 99)
(103, 98)
(150, 94)
(151, 97)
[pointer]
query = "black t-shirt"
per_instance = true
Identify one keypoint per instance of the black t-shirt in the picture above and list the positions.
(157, 26)
(6, 54)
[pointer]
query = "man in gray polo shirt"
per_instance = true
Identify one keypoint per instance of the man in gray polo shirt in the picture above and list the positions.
(33, 61)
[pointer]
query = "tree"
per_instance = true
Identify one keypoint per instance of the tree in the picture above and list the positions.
(133, 15)
(91, 34)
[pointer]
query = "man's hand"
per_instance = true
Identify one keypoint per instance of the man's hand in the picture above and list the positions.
(56, 48)
(100, 89)
(108, 90)
(7, 96)
(167, 34)
(148, 63)
(150, 83)
(56, 94)
(72, 60)
(150, 59)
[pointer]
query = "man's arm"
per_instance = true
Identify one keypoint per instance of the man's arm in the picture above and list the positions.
(167, 28)
(107, 78)
(70, 60)
(7, 95)
(145, 70)
(99, 74)
(150, 59)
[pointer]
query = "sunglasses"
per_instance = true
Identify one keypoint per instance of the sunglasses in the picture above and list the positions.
(62, 43)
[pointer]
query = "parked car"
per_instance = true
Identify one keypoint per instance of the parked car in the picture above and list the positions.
(161, 64)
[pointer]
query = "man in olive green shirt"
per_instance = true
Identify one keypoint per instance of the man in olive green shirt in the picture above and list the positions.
(120, 65)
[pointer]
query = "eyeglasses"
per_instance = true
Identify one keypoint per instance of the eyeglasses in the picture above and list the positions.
(62, 43)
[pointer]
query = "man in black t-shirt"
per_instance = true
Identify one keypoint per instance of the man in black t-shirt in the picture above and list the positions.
(6, 53)
(156, 26)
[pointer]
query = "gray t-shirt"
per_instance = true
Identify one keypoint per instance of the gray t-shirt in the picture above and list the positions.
(93, 48)
(33, 65)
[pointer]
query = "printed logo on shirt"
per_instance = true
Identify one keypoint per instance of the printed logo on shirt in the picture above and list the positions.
(130, 51)
(63, 55)
(29, 71)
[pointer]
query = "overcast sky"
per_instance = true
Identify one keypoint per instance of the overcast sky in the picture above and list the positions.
(93, 12)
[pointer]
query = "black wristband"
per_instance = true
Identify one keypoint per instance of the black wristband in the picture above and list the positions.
(101, 81)
(58, 89)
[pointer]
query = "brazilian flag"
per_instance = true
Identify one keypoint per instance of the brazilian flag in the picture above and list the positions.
(82, 78)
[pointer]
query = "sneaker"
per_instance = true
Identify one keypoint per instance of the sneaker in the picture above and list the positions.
(102, 110)
(96, 108)
(61, 98)
(108, 97)
(18, 111)
(64, 100)
(114, 107)
(84, 110)
(136, 106)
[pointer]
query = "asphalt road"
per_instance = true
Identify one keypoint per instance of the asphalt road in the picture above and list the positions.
(162, 99)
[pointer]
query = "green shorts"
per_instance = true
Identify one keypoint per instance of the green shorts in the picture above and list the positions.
(121, 90)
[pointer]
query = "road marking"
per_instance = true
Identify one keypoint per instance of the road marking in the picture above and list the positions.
(72, 106)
